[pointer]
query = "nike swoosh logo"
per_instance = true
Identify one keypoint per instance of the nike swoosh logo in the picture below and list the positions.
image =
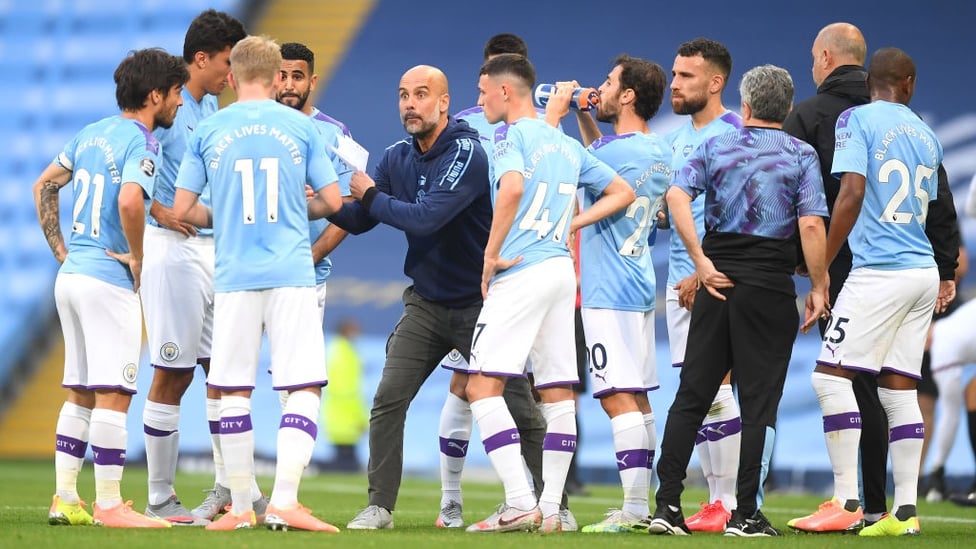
(503, 522)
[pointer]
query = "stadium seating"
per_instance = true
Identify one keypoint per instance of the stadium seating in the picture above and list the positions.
(57, 60)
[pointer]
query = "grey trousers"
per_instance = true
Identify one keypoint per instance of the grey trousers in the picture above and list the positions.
(424, 334)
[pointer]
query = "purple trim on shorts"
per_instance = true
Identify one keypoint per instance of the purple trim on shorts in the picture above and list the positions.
(911, 430)
(462, 370)
(229, 389)
(901, 373)
(567, 383)
(559, 442)
(677, 364)
(839, 422)
(153, 432)
(503, 438)
(454, 447)
(71, 446)
(108, 456)
(613, 390)
(214, 427)
(111, 387)
(235, 424)
(300, 422)
(631, 459)
(173, 368)
(847, 367)
(721, 429)
(498, 374)
(322, 383)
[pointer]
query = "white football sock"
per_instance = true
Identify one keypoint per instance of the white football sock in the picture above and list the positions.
(69, 451)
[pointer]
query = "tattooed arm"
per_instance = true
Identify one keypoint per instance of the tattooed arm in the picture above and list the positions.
(48, 207)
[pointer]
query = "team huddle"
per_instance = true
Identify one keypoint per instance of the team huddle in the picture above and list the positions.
(513, 229)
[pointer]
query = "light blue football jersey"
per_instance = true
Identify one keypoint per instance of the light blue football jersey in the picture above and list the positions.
(684, 140)
(257, 157)
(899, 156)
(553, 166)
(331, 130)
(616, 271)
(102, 157)
(174, 140)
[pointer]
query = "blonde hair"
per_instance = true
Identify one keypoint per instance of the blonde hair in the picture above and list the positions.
(255, 59)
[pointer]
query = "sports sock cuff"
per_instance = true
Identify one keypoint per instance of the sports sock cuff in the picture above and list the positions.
(71, 409)
(161, 418)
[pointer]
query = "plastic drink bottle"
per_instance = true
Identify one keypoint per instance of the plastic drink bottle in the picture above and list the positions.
(584, 99)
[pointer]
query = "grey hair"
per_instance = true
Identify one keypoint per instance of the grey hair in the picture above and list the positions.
(768, 90)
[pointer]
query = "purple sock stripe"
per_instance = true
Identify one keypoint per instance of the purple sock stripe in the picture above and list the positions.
(153, 432)
(454, 447)
(901, 432)
(839, 422)
(721, 429)
(235, 424)
(504, 438)
(630, 459)
(71, 446)
(108, 456)
(559, 442)
(701, 436)
(650, 459)
(214, 427)
(297, 421)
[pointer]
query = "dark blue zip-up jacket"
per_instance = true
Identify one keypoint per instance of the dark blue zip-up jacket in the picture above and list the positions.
(441, 200)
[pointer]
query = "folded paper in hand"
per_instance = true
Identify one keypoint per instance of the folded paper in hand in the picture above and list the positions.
(352, 153)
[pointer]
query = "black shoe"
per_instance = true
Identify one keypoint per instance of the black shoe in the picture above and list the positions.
(668, 520)
(965, 499)
(937, 487)
(755, 526)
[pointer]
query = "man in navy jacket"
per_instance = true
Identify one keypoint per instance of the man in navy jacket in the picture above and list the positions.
(434, 187)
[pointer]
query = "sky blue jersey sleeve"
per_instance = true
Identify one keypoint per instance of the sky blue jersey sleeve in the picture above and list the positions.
(320, 171)
(850, 146)
(691, 177)
(193, 174)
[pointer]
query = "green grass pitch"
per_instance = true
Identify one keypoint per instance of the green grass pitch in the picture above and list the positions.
(26, 488)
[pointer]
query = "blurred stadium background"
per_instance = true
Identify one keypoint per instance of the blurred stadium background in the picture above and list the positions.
(57, 59)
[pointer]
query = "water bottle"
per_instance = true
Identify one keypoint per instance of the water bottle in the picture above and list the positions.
(584, 99)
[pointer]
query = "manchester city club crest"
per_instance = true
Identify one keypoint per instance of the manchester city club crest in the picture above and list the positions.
(129, 372)
(454, 355)
(169, 351)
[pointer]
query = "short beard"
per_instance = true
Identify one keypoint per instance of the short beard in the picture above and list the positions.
(425, 130)
(690, 106)
(302, 99)
(163, 122)
(608, 117)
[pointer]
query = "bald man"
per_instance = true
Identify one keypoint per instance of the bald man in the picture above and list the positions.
(887, 160)
(838, 54)
(433, 186)
(838, 71)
